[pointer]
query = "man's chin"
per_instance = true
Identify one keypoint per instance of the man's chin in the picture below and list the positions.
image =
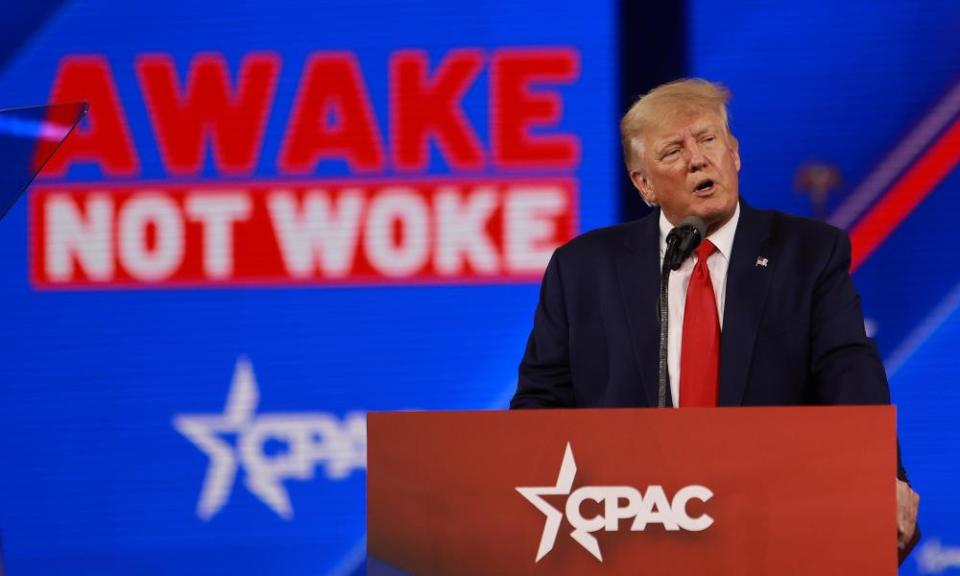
(714, 217)
(714, 211)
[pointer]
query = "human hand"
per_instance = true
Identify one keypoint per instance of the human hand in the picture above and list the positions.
(908, 502)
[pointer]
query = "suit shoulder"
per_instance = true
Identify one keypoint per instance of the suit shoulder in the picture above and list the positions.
(789, 228)
(599, 242)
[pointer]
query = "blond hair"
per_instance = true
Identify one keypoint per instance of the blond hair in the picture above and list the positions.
(668, 101)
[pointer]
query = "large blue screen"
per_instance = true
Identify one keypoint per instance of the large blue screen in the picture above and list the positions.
(275, 218)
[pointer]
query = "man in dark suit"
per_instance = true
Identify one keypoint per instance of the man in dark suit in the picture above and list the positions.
(765, 313)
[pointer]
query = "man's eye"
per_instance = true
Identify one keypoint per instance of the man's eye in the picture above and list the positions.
(709, 138)
(669, 153)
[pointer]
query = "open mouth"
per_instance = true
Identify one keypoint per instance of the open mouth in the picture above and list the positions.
(704, 186)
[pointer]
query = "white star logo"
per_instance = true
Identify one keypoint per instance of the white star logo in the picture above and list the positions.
(205, 432)
(568, 469)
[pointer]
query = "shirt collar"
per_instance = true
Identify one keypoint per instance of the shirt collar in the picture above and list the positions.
(722, 237)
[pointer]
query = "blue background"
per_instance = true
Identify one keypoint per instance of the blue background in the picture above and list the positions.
(95, 478)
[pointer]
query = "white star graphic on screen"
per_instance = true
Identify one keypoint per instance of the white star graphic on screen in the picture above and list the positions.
(568, 469)
(206, 431)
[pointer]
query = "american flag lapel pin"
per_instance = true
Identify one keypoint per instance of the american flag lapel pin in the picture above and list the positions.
(762, 261)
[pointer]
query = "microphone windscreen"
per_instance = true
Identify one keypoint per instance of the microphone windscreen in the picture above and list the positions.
(695, 222)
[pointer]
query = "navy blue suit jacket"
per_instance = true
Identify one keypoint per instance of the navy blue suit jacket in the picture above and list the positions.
(792, 334)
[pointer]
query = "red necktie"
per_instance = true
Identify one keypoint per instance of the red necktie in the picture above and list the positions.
(700, 346)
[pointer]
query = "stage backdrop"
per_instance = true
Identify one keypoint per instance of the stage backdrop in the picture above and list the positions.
(275, 218)
(850, 112)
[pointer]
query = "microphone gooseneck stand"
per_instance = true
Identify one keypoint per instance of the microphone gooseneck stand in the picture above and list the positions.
(681, 241)
(663, 307)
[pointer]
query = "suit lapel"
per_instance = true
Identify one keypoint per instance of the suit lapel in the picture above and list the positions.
(638, 271)
(747, 283)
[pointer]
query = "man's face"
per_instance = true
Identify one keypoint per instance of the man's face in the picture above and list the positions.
(689, 166)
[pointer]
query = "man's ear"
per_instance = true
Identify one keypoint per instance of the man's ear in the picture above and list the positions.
(735, 144)
(642, 184)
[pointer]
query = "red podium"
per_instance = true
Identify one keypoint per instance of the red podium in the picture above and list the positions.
(730, 491)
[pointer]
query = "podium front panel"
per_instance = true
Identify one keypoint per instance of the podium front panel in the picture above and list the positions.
(625, 491)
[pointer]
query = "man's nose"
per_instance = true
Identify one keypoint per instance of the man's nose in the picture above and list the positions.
(698, 159)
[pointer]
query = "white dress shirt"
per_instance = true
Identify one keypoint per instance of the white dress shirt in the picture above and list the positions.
(717, 264)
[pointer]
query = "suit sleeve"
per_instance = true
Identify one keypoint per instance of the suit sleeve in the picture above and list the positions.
(544, 377)
(845, 362)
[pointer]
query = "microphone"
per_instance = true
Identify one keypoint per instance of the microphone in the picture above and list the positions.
(683, 240)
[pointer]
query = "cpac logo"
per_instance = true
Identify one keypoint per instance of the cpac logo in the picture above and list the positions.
(653, 507)
(934, 558)
(310, 439)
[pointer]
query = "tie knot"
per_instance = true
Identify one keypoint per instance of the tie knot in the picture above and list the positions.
(704, 250)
